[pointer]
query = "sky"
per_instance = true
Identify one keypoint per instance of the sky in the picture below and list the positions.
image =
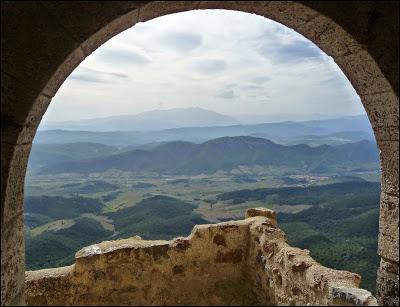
(230, 62)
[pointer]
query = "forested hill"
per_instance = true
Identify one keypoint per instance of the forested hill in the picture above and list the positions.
(227, 153)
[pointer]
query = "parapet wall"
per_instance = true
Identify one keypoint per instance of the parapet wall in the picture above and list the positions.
(245, 262)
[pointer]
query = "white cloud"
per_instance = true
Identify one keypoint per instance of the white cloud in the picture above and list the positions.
(181, 41)
(208, 66)
(226, 94)
(227, 61)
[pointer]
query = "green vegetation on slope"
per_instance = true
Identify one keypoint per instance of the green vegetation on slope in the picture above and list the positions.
(58, 207)
(228, 153)
(340, 233)
(312, 195)
(156, 217)
(43, 155)
(90, 187)
(53, 249)
(337, 222)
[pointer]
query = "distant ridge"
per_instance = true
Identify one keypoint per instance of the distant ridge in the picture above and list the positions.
(339, 131)
(150, 120)
(227, 153)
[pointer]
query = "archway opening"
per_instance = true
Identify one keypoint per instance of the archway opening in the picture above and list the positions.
(272, 122)
(365, 58)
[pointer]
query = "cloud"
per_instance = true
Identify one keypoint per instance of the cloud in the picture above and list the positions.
(121, 56)
(106, 73)
(260, 79)
(226, 94)
(181, 41)
(231, 85)
(209, 66)
(96, 76)
(198, 58)
(85, 78)
(293, 50)
(253, 87)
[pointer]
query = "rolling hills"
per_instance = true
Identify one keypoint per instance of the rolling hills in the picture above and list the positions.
(47, 154)
(333, 132)
(228, 153)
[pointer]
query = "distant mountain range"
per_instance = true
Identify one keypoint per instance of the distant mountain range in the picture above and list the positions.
(332, 132)
(195, 117)
(148, 121)
(226, 154)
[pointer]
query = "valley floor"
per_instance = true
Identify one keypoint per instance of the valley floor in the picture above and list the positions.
(335, 217)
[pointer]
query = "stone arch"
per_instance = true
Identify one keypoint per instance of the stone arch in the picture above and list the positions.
(42, 43)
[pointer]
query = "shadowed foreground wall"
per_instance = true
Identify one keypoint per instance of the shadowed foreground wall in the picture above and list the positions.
(244, 262)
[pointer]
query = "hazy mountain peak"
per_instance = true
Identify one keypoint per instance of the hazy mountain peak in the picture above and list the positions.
(149, 120)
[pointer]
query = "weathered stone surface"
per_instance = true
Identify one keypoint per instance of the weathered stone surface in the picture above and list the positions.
(252, 212)
(358, 297)
(390, 167)
(197, 271)
(13, 268)
(154, 9)
(388, 284)
(373, 26)
(364, 74)
(116, 26)
(43, 42)
(389, 228)
(383, 113)
(12, 226)
(21, 114)
(331, 39)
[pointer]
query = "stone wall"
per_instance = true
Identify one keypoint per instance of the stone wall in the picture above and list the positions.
(245, 262)
(42, 42)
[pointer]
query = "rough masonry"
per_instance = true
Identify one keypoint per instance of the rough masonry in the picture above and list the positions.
(247, 262)
(42, 42)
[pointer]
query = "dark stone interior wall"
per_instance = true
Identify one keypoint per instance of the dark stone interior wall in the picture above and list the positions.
(42, 42)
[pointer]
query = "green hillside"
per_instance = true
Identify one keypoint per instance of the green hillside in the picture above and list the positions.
(157, 217)
(228, 153)
(312, 195)
(58, 207)
(44, 155)
(338, 222)
(53, 249)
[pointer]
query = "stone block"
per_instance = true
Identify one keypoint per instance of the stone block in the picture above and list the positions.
(290, 13)
(353, 297)
(12, 260)
(387, 288)
(156, 9)
(14, 159)
(388, 245)
(329, 37)
(252, 212)
(383, 113)
(390, 167)
(363, 73)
